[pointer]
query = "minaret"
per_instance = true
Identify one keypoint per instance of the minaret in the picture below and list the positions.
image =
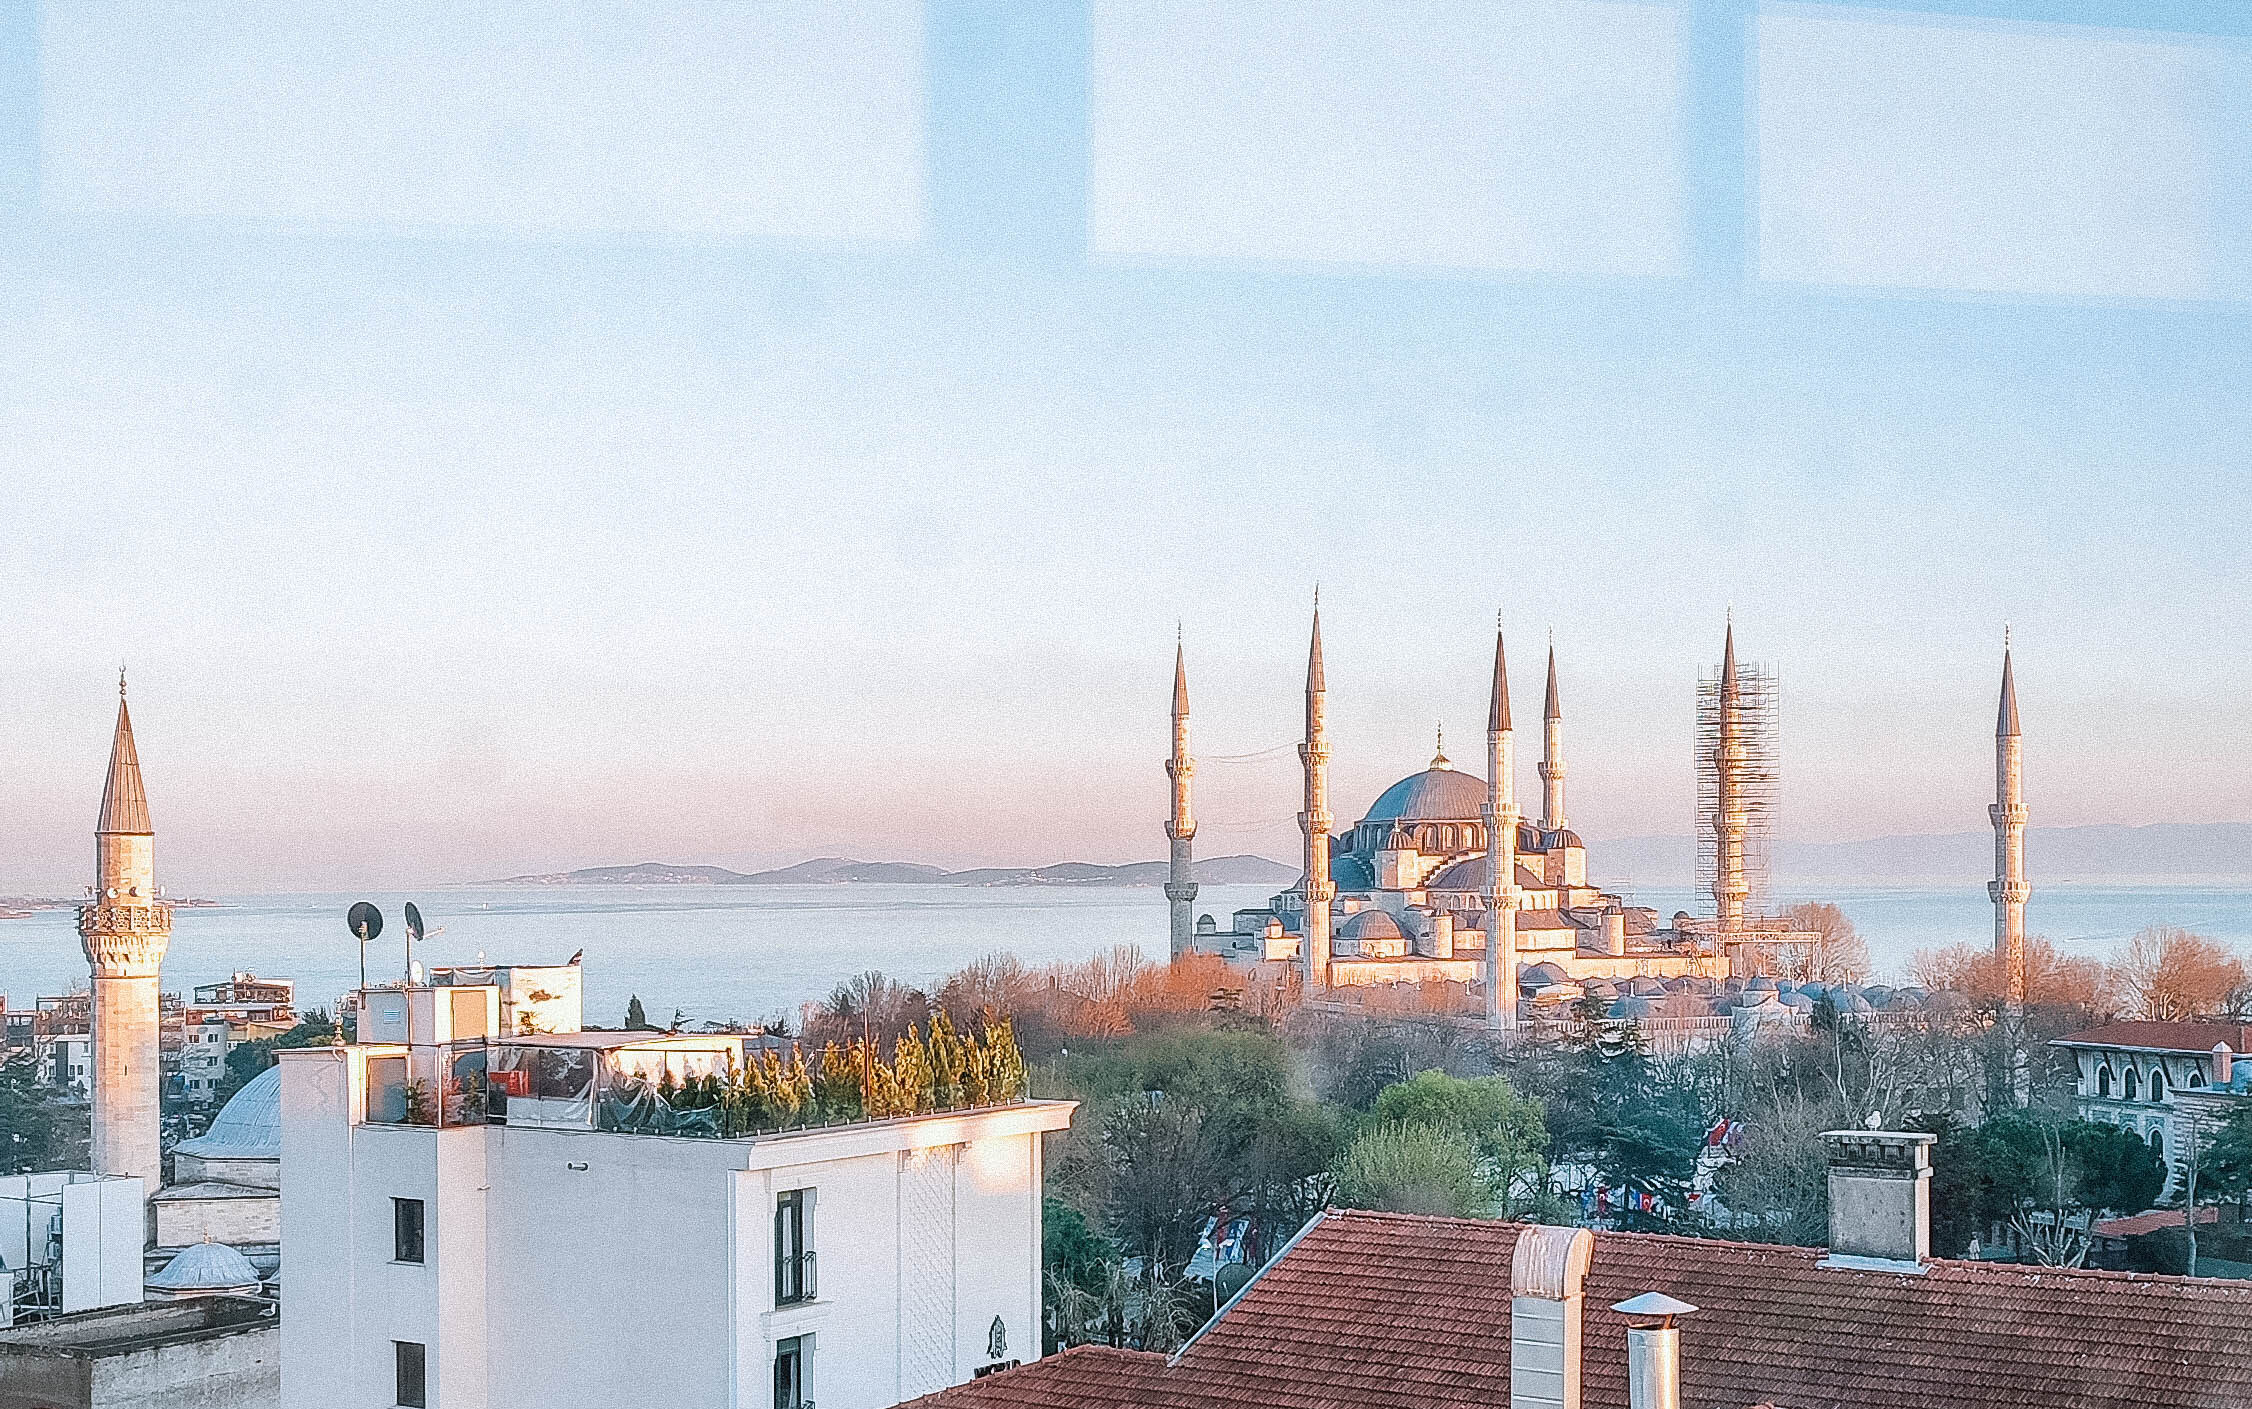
(1730, 887)
(1315, 820)
(124, 929)
(1500, 816)
(1180, 829)
(2008, 888)
(1552, 754)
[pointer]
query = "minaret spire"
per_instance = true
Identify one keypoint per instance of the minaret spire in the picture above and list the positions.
(1731, 888)
(2008, 889)
(1552, 751)
(1313, 755)
(1180, 827)
(1500, 816)
(124, 928)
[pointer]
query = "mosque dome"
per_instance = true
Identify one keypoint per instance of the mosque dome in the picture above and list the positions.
(204, 1268)
(247, 1127)
(1434, 795)
(1371, 924)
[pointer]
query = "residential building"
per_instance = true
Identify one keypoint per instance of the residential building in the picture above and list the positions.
(2155, 1078)
(1393, 1311)
(478, 1219)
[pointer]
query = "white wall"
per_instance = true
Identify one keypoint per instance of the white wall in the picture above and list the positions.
(591, 1269)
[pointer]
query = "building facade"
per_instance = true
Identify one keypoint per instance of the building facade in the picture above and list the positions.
(2161, 1079)
(536, 1251)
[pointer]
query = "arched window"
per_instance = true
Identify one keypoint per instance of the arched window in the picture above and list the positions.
(2103, 1081)
(2158, 1142)
(2158, 1084)
(2132, 1087)
(2196, 1078)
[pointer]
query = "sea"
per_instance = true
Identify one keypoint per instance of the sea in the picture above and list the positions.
(750, 952)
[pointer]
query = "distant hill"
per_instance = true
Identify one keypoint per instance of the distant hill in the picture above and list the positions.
(837, 870)
(2165, 851)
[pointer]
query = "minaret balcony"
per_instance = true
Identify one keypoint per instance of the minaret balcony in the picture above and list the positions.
(109, 919)
(2008, 814)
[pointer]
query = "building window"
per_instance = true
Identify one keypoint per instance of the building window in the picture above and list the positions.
(2158, 1142)
(2132, 1086)
(406, 1361)
(2103, 1081)
(789, 1373)
(406, 1230)
(2158, 1084)
(793, 1255)
(2196, 1078)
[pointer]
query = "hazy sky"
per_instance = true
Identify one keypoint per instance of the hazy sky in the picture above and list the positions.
(560, 432)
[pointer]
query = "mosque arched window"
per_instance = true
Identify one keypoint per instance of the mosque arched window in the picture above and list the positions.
(2103, 1081)
(2158, 1142)
(2132, 1087)
(2158, 1084)
(2196, 1079)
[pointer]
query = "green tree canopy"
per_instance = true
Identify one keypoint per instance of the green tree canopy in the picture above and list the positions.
(1414, 1169)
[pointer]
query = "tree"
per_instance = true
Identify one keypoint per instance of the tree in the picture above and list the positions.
(1414, 1169)
(637, 1018)
(1838, 954)
(2166, 973)
(39, 1129)
(1507, 1130)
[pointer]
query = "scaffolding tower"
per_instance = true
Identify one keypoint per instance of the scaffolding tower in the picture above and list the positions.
(1737, 784)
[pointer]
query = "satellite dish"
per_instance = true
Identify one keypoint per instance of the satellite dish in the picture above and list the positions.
(414, 922)
(364, 920)
(1231, 1278)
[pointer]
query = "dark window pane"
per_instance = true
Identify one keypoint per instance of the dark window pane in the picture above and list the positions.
(789, 1373)
(406, 1230)
(408, 1358)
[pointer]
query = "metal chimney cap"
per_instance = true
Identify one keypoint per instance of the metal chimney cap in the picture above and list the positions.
(1653, 1304)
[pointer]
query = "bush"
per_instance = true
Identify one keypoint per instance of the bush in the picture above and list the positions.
(1414, 1169)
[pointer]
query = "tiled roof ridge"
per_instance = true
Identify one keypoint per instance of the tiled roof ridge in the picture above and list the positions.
(1974, 1266)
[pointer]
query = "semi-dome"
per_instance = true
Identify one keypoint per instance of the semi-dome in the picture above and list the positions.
(1434, 795)
(204, 1268)
(247, 1127)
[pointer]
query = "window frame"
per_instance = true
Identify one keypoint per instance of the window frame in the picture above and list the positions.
(399, 1231)
(795, 1282)
(420, 1359)
(793, 1363)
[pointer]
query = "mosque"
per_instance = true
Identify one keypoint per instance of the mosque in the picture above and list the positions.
(1414, 891)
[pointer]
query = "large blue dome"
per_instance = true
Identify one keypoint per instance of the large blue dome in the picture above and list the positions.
(1434, 795)
(248, 1126)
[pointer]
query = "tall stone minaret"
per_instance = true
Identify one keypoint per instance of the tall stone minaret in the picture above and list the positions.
(1315, 820)
(1552, 754)
(1180, 828)
(124, 928)
(2008, 888)
(1730, 887)
(1500, 817)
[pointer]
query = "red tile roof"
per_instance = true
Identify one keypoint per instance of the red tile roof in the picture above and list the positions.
(1388, 1311)
(2151, 1222)
(2193, 1036)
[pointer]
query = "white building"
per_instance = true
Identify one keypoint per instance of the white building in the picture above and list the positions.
(69, 1241)
(2156, 1078)
(480, 1245)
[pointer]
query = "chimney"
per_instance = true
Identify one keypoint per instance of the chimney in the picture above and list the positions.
(1547, 1299)
(1880, 1199)
(2224, 1062)
(1653, 1350)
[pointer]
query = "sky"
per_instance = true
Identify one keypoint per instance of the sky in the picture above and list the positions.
(566, 432)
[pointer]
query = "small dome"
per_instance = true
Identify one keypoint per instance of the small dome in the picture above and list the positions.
(1785, 987)
(1371, 924)
(1877, 993)
(1562, 836)
(247, 1127)
(1761, 984)
(1853, 1003)
(1645, 987)
(206, 1267)
(1600, 988)
(1631, 1007)
(1798, 1002)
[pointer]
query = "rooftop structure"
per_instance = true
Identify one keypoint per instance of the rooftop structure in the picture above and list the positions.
(205, 1350)
(2168, 1082)
(446, 1196)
